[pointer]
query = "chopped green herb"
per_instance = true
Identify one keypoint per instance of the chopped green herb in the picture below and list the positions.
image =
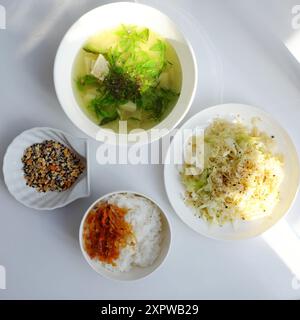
(87, 80)
(106, 120)
(91, 50)
(156, 100)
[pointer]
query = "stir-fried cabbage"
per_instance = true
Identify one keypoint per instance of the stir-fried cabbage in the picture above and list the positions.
(239, 177)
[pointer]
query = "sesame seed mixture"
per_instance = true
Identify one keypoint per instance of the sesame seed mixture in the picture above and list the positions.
(51, 166)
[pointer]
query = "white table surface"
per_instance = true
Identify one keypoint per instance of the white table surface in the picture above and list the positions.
(40, 250)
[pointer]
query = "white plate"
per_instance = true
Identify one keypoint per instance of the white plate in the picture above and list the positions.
(240, 229)
(135, 273)
(14, 175)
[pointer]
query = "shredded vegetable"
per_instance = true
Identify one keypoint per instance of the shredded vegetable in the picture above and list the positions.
(239, 177)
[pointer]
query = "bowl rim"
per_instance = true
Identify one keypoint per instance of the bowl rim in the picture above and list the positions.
(296, 191)
(47, 209)
(107, 196)
(133, 136)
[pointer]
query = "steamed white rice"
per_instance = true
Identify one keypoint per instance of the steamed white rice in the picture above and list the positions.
(145, 218)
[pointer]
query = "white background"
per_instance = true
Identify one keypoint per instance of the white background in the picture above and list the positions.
(252, 65)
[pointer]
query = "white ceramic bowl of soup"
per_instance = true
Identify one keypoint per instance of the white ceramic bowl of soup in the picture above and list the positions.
(109, 17)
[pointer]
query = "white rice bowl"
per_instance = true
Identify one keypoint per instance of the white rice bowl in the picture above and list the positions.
(145, 219)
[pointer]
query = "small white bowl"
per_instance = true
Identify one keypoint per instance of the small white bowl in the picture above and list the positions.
(288, 188)
(136, 272)
(14, 174)
(107, 17)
